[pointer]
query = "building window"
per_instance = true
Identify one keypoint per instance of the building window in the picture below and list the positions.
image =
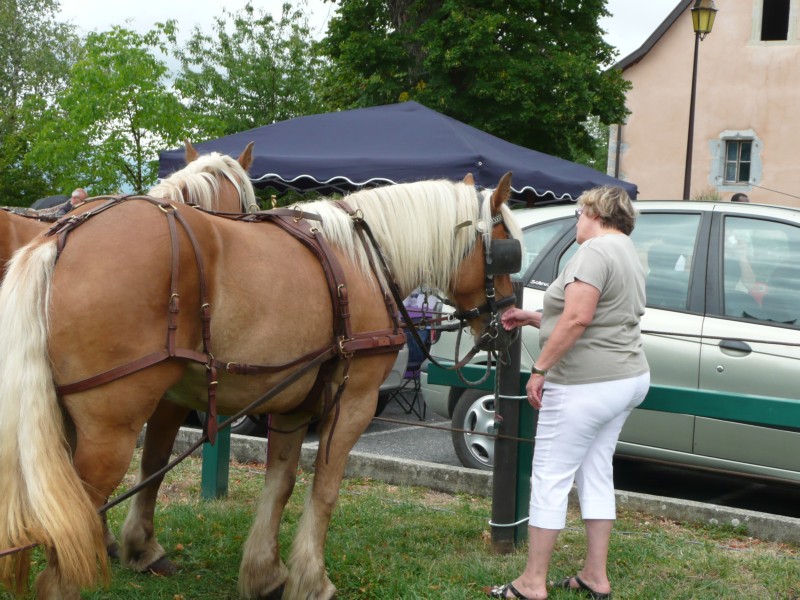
(738, 158)
(775, 20)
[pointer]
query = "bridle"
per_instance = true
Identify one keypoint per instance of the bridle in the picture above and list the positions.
(501, 257)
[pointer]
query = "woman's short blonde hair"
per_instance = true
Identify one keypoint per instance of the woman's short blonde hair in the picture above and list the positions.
(612, 205)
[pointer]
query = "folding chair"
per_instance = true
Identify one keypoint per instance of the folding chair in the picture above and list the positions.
(409, 394)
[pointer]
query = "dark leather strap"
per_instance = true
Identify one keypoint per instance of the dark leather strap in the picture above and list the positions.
(347, 344)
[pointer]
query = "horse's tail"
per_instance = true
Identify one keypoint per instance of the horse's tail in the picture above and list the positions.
(42, 499)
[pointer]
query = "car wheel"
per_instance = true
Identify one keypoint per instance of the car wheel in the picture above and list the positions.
(474, 412)
(244, 425)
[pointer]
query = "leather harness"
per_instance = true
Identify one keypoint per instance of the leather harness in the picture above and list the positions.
(345, 345)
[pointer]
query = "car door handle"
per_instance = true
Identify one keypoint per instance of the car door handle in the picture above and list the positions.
(736, 345)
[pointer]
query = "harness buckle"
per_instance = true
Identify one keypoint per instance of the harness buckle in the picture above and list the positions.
(342, 350)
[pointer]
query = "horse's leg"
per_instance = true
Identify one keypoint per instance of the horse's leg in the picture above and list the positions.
(105, 437)
(140, 549)
(262, 573)
(308, 576)
(112, 546)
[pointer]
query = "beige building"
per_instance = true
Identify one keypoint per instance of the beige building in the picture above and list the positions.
(747, 106)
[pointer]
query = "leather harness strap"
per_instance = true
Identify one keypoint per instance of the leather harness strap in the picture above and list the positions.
(295, 222)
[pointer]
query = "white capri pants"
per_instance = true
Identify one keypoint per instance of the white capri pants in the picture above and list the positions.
(576, 436)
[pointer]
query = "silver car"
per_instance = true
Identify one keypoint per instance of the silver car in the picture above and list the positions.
(722, 320)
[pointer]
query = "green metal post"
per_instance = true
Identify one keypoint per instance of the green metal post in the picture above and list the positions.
(216, 462)
(505, 505)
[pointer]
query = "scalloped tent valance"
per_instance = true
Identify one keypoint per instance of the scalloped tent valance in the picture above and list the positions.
(395, 143)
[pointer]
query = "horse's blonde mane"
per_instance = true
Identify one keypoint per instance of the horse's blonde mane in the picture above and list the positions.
(200, 178)
(417, 227)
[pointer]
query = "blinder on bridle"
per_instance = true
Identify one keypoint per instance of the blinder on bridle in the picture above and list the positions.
(505, 257)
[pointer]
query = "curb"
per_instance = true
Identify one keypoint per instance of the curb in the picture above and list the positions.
(460, 480)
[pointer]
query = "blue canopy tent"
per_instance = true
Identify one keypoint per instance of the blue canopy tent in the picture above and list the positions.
(396, 143)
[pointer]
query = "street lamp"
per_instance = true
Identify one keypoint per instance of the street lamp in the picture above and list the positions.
(703, 13)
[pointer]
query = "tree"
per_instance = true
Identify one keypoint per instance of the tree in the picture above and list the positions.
(253, 71)
(528, 71)
(36, 53)
(105, 131)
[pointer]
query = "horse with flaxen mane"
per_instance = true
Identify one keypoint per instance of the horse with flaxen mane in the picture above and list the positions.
(214, 182)
(179, 317)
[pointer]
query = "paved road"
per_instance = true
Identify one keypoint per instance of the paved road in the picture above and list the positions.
(409, 440)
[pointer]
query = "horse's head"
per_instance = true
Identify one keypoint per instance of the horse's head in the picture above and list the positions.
(482, 287)
(245, 158)
(213, 181)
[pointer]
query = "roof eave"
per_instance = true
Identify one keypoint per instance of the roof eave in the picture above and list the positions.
(637, 55)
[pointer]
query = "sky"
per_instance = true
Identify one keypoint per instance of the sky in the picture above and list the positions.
(631, 23)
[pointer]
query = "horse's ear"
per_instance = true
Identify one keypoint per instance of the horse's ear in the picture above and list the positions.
(246, 158)
(191, 153)
(502, 192)
(469, 179)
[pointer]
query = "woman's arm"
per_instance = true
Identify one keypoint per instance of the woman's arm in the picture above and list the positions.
(580, 303)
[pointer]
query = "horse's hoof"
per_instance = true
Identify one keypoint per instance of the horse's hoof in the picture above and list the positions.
(163, 567)
(113, 551)
(275, 594)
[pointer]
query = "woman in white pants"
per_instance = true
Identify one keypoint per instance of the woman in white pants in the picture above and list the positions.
(591, 373)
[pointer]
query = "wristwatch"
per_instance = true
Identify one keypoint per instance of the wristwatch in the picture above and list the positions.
(535, 371)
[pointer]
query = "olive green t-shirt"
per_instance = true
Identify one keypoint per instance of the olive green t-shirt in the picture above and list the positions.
(611, 346)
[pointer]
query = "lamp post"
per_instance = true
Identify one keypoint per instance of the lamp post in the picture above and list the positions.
(703, 13)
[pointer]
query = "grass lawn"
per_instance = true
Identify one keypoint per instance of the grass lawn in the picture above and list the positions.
(399, 542)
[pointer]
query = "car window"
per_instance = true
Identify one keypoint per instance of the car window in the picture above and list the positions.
(761, 270)
(665, 244)
(537, 237)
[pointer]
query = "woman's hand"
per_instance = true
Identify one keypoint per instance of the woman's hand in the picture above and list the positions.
(534, 390)
(516, 317)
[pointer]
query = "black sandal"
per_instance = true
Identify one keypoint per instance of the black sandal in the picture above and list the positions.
(499, 591)
(582, 587)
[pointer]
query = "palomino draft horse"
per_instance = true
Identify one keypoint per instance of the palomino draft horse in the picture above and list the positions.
(192, 279)
(214, 182)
